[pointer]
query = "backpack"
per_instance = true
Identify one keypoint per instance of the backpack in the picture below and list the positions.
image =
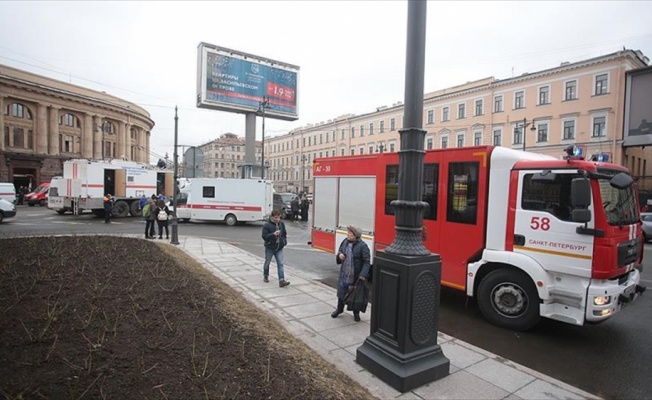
(162, 215)
(146, 210)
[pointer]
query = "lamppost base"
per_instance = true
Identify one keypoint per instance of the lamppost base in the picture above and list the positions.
(175, 235)
(402, 348)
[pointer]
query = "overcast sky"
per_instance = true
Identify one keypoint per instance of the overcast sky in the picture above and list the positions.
(351, 54)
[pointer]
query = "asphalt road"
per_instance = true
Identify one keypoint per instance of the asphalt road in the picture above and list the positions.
(609, 359)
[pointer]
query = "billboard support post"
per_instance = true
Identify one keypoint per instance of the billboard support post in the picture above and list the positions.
(261, 108)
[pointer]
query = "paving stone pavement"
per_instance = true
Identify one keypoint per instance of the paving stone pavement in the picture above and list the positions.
(304, 309)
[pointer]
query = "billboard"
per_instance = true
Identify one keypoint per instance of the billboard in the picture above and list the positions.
(638, 112)
(234, 81)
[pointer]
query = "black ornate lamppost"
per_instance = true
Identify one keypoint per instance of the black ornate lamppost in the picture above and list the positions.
(402, 348)
(525, 125)
(381, 148)
(174, 220)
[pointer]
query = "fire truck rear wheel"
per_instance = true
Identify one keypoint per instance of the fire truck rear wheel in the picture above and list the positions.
(231, 220)
(509, 299)
(120, 209)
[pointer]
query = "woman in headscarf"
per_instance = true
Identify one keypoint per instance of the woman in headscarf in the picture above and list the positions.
(355, 260)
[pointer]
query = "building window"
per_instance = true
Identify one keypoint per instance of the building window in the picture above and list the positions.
(361, 130)
(477, 138)
(542, 132)
(392, 124)
(371, 149)
(321, 138)
(498, 103)
(571, 90)
(544, 95)
(444, 142)
(601, 84)
(599, 124)
(518, 138)
(343, 135)
(569, 130)
(445, 114)
(498, 137)
(371, 128)
(361, 149)
(429, 143)
(391, 147)
(352, 151)
(460, 140)
(519, 100)
(18, 110)
(461, 111)
(478, 107)
(342, 151)
(67, 144)
(352, 132)
(381, 128)
(431, 116)
(19, 137)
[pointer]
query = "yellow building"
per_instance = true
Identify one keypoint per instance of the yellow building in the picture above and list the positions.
(45, 122)
(577, 103)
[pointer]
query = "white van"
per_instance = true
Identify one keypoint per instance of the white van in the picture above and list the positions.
(8, 192)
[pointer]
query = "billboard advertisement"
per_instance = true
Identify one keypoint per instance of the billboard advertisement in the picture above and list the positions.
(234, 81)
(638, 112)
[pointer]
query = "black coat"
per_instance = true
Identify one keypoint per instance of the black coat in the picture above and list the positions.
(361, 257)
(272, 241)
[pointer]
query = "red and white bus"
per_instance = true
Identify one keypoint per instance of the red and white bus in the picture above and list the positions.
(509, 227)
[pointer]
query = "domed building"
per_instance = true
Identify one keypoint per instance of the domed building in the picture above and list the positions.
(46, 122)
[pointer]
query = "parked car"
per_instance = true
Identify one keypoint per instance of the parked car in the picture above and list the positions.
(646, 218)
(7, 210)
(287, 199)
(280, 205)
(38, 196)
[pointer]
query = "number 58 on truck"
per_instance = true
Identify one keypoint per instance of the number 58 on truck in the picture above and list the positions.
(527, 235)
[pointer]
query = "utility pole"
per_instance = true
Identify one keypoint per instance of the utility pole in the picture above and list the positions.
(175, 220)
(261, 107)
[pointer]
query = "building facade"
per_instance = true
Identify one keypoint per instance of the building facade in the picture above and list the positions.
(45, 122)
(579, 103)
(224, 157)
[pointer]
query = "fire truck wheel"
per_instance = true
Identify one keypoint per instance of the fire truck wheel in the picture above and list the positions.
(135, 209)
(509, 299)
(61, 212)
(231, 220)
(42, 203)
(120, 209)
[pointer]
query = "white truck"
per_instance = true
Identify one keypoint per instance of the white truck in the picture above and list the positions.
(228, 200)
(85, 182)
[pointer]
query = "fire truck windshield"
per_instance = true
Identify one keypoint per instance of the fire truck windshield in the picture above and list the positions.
(619, 203)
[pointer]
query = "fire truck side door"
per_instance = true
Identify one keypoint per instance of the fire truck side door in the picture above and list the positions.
(543, 227)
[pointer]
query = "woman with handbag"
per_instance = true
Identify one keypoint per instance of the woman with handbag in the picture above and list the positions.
(355, 260)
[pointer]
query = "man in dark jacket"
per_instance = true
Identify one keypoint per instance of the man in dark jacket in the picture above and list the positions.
(355, 260)
(108, 208)
(275, 237)
(305, 206)
(295, 208)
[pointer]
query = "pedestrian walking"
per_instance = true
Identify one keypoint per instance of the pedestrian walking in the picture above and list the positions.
(150, 217)
(162, 213)
(355, 260)
(275, 239)
(108, 208)
(141, 205)
(295, 208)
(305, 206)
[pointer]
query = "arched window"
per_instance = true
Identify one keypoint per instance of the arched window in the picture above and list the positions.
(70, 120)
(17, 110)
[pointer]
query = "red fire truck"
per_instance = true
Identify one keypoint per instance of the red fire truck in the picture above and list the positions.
(528, 235)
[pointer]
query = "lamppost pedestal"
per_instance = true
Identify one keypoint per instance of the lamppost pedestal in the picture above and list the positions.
(402, 349)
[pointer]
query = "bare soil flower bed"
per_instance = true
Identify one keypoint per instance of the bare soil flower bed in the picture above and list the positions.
(101, 317)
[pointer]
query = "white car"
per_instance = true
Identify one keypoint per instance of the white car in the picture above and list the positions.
(7, 210)
(646, 219)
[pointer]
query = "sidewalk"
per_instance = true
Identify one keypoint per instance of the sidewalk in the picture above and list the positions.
(304, 310)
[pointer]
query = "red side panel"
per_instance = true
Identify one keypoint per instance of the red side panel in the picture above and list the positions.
(323, 241)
